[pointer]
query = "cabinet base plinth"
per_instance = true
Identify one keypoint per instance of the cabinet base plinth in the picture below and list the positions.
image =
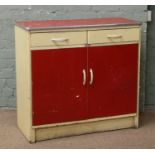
(45, 133)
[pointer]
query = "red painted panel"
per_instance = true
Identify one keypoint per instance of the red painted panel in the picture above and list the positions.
(74, 22)
(57, 90)
(114, 91)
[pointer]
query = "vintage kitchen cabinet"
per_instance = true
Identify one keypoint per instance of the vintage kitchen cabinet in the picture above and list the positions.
(77, 76)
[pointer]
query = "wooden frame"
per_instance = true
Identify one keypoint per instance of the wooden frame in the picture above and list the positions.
(44, 39)
(23, 76)
(24, 97)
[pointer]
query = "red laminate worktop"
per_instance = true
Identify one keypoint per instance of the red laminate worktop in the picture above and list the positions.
(75, 23)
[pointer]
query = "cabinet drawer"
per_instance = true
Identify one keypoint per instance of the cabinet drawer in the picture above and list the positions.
(58, 39)
(112, 36)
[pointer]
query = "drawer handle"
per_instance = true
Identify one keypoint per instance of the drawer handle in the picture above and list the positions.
(91, 76)
(84, 76)
(114, 36)
(59, 39)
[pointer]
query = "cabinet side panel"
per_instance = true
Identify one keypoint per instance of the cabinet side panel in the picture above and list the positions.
(23, 77)
(138, 82)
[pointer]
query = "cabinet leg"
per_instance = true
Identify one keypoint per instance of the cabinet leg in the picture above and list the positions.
(136, 121)
(32, 137)
(31, 141)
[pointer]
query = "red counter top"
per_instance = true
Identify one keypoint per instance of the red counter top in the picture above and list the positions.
(74, 23)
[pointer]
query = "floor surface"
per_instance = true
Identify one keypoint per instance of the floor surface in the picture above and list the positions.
(143, 137)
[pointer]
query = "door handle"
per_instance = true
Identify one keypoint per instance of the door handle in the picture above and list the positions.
(84, 76)
(91, 76)
(59, 39)
(114, 36)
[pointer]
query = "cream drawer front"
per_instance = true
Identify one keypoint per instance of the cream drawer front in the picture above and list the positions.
(58, 39)
(112, 36)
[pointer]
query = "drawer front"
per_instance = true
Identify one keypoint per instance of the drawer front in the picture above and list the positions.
(58, 39)
(112, 36)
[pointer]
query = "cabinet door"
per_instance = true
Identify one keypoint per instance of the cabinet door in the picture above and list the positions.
(114, 87)
(58, 93)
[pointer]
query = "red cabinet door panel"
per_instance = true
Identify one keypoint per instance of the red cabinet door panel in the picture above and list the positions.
(114, 89)
(58, 94)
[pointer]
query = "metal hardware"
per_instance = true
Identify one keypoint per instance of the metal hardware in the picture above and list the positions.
(59, 39)
(114, 36)
(91, 76)
(84, 76)
(149, 15)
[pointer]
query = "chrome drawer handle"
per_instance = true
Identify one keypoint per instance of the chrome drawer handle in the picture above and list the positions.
(114, 36)
(91, 76)
(59, 39)
(84, 76)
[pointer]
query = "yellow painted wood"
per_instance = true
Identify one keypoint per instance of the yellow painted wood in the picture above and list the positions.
(57, 47)
(86, 121)
(138, 81)
(23, 76)
(82, 128)
(78, 46)
(115, 43)
(113, 36)
(47, 39)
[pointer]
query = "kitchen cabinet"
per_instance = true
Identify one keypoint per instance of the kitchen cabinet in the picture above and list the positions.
(77, 76)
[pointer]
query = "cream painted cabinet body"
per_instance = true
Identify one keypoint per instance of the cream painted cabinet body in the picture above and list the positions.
(77, 76)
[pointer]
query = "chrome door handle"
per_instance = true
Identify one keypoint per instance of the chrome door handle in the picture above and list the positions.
(59, 39)
(84, 76)
(91, 76)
